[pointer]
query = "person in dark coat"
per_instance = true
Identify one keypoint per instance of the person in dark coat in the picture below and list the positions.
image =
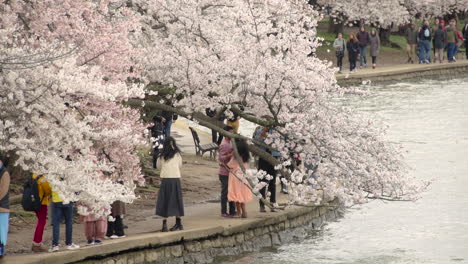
(168, 118)
(439, 43)
(363, 39)
(412, 41)
(353, 51)
(115, 228)
(157, 135)
(465, 36)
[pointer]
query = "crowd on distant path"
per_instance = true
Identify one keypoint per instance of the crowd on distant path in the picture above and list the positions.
(440, 36)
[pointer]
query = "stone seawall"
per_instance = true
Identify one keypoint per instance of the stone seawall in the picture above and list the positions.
(405, 72)
(204, 245)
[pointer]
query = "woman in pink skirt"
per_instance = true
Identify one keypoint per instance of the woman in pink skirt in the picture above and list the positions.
(238, 191)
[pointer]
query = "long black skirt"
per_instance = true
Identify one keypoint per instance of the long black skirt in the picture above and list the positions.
(170, 202)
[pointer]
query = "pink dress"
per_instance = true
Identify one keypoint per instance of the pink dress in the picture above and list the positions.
(237, 191)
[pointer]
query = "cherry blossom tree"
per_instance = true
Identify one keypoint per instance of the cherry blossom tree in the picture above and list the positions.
(66, 66)
(255, 58)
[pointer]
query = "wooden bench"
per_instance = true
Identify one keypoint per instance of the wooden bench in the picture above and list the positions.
(201, 149)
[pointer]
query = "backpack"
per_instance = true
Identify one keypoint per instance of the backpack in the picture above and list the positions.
(31, 200)
(427, 33)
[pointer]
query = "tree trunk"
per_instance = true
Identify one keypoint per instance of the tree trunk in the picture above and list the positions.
(335, 26)
(384, 35)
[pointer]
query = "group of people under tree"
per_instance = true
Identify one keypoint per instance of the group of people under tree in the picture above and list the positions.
(441, 36)
(419, 40)
(96, 228)
(356, 46)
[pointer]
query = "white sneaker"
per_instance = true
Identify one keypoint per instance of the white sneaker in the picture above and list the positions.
(114, 236)
(73, 246)
(121, 236)
(54, 249)
(106, 237)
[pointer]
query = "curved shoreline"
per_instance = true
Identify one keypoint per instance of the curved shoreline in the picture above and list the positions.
(207, 237)
(404, 72)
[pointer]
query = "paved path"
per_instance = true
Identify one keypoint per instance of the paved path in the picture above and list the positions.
(404, 71)
(201, 220)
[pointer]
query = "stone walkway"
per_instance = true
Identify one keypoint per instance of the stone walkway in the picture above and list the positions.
(404, 71)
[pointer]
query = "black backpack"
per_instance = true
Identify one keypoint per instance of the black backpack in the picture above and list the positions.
(31, 200)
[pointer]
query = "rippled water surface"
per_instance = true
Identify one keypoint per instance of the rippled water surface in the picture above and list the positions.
(430, 119)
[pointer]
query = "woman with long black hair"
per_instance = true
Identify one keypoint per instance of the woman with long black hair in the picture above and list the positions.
(170, 202)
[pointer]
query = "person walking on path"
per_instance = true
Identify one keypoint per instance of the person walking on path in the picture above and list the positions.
(424, 43)
(157, 134)
(4, 205)
(374, 47)
(425, 37)
(439, 43)
(412, 40)
(224, 156)
(238, 190)
(168, 118)
(340, 48)
(41, 214)
(170, 202)
(363, 39)
(451, 37)
(459, 40)
(115, 228)
(95, 228)
(465, 36)
(434, 28)
(353, 51)
(60, 209)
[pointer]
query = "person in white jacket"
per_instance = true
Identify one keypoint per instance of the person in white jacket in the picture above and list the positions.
(170, 202)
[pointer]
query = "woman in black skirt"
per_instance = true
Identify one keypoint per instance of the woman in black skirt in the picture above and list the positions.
(170, 201)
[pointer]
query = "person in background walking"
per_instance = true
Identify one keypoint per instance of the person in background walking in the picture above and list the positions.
(439, 43)
(451, 38)
(60, 209)
(224, 156)
(41, 214)
(459, 40)
(168, 118)
(95, 228)
(374, 47)
(363, 39)
(340, 48)
(157, 134)
(238, 191)
(353, 51)
(412, 40)
(115, 228)
(170, 202)
(425, 37)
(434, 28)
(4, 205)
(465, 36)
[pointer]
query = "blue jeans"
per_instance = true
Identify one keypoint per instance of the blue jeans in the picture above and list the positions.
(451, 51)
(59, 210)
(363, 57)
(167, 128)
(424, 50)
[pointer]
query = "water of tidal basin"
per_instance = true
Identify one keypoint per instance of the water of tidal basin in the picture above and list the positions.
(430, 119)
